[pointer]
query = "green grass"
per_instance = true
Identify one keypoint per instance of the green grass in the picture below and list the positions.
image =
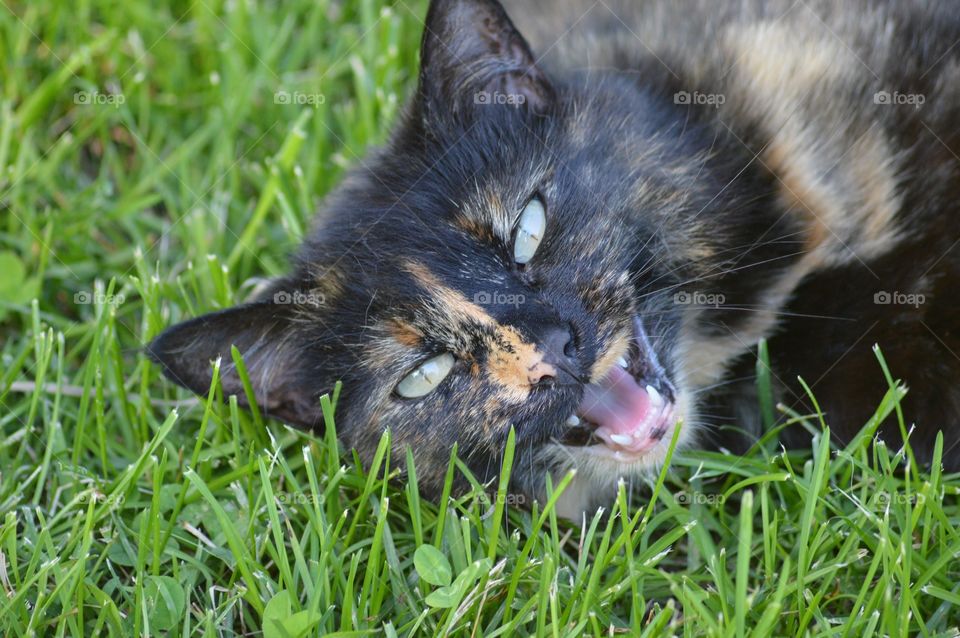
(128, 507)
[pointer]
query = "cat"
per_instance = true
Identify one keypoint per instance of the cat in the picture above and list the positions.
(588, 217)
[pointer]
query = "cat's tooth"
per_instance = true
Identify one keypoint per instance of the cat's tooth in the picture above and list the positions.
(621, 439)
(655, 396)
(573, 420)
(622, 362)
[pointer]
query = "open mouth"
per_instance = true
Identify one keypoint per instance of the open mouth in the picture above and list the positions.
(628, 412)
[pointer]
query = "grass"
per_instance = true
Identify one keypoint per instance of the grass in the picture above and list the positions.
(155, 160)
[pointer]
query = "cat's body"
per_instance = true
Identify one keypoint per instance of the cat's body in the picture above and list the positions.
(853, 108)
(661, 183)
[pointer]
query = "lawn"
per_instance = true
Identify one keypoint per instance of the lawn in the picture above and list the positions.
(158, 160)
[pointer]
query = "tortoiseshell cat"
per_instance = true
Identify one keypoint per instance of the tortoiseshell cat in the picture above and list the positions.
(588, 245)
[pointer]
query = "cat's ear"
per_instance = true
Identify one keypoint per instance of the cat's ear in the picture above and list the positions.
(266, 334)
(473, 56)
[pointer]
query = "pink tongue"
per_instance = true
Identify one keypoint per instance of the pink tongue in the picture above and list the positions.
(616, 402)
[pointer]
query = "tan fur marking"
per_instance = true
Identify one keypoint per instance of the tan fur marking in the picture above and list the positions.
(473, 227)
(799, 190)
(484, 216)
(404, 333)
(834, 172)
(513, 364)
(774, 57)
(617, 347)
(450, 301)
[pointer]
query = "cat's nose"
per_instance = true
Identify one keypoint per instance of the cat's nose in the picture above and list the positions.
(560, 354)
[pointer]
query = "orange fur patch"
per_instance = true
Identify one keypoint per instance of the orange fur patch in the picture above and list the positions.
(404, 333)
(512, 363)
(448, 300)
(473, 227)
(618, 346)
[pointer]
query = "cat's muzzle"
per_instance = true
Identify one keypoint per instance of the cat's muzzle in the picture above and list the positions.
(630, 410)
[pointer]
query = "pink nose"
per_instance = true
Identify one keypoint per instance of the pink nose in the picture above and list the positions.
(558, 354)
(541, 373)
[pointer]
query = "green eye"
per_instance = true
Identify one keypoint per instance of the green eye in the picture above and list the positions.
(531, 225)
(427, 377)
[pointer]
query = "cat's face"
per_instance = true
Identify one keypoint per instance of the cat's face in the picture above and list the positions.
(504, 262)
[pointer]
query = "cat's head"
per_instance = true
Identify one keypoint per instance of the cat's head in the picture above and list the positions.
(507, 260)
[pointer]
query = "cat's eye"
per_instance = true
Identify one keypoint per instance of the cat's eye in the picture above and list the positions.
(426, 377)
(531, 225)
